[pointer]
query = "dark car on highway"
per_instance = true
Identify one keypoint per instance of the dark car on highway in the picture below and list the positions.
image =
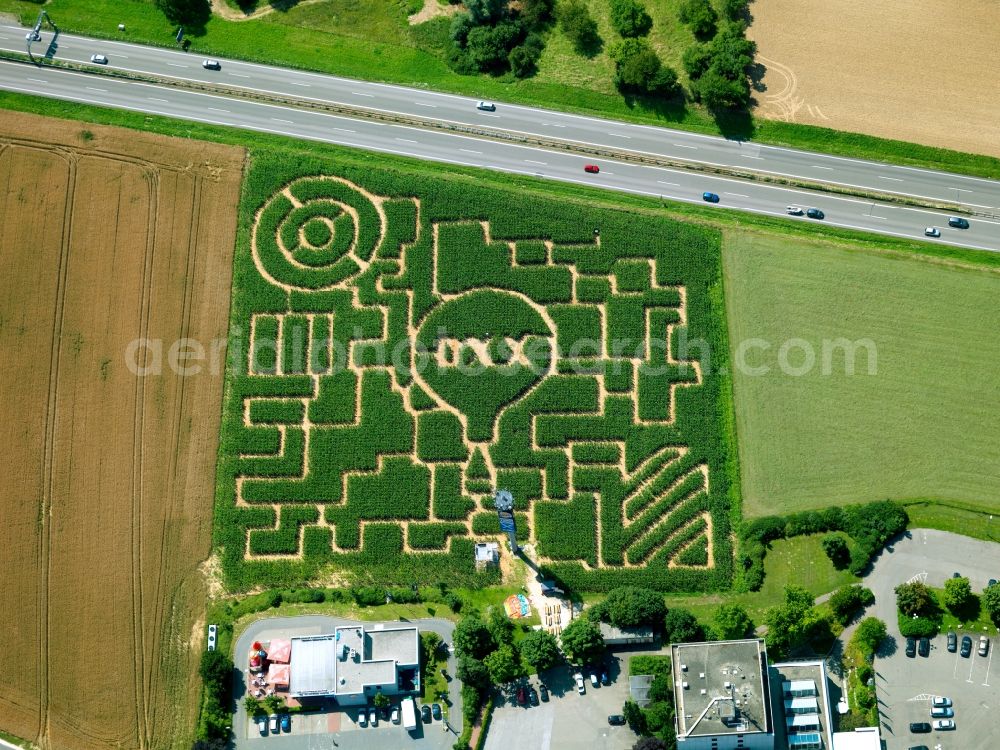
(710, 197)
(815, 213)
(966, 646)
(958, 222)
(911, 647)
(952, 642)
(920, 727)
(924, 647)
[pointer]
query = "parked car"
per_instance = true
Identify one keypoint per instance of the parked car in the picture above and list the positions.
(952, 642)
(425, 714)
(273, 722)
(616, 720)
(958, 222)
(794, 210)
(362, 718)
(984, 645)
(991, 582)
(486, 106)
(710, 197)
(966, 646)
(940, 700)
(944, 724)
(544, 692)
(593, 679)
(942, 712)
(591, 168)
(211, 65)
(522, 696)
(286, 723)
(394, 717)
(932, 232)
(918, 747)
(920, 727)
(262, 725)
(532, 696)
(815, 213)
(436, 711)
(373, 717)
(911, 647)
(956, 574)
(924, 647)
(580, 687)
(99, 59)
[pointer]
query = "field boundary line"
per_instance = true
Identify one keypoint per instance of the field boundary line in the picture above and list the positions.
(634, 157)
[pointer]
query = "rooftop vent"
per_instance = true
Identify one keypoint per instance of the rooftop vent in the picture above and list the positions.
(684, 685)
(701, 675)
(684, 667)
(704, 692)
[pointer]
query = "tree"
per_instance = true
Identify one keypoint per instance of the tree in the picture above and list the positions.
(540, 649)
(734, 10)
(472, 637)
(524, 58)
(731, 622)
(790, 623)
(430, 642)
(638, 70)
(958, 594)
(700, 16)
(696, 60)
(582, 641)
(649, 743)
(579, 27)
(991, 601)
(461, 25)
(836, 548)
(216, 743)
(634, 717)
(485, 11)
(631, 607)
(847, 600)
(251, 705)
(474, 673)
(629, 18)
(500, 627)
(186, 12)
(488, 46)
(503, 665)
(273, 704)
(914, 599)
(870, 633)
(380, 700)
(680, 626)
(536, 12)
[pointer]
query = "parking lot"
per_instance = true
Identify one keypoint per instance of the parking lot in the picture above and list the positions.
(569, 721)
(905, 685)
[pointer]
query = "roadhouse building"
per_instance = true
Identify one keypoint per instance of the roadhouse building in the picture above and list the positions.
(722, 695)
(354, 663)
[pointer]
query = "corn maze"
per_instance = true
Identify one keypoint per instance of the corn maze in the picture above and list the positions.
(393, 362)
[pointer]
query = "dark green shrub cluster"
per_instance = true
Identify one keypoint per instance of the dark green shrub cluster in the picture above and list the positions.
(493, 37)
(579, 27)
(629, 18)
(216, 671)
(719, 69)
(847, 600)
(639, 70)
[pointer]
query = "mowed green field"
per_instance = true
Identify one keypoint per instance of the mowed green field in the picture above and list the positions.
(921, 426)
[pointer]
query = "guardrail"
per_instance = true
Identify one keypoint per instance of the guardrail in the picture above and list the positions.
(495, 134)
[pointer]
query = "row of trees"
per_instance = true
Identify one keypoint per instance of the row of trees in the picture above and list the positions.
(492, 37)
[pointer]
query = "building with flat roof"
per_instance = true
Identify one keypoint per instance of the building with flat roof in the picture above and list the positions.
(722, 695)
(625, 636)
(355, 662)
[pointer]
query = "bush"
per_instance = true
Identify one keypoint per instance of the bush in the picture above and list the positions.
(847, 600)
(523, 59)
(540, 650)
(958, 594)
(631, 607)
(732, 622)
(368, 596)
(680, 626)
(582, 641)
(700, 16)
(629, 18)
(918, 627)
(638, 70)
(472, 637)
(489, 46)
(991, 601)
(485, 11)
(914, 599)
(634, 717)
(579, 27)
(454, 602)
(870, 633)
(836, 548)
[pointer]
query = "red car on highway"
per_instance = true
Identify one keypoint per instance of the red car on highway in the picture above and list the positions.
(592, 168)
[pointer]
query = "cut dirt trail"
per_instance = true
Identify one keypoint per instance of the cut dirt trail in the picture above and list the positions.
(107, 236)
(921, 71)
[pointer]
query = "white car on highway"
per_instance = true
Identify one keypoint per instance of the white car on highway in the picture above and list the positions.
(99, 59)
(486, 106)
(794, 210)
(932, 232)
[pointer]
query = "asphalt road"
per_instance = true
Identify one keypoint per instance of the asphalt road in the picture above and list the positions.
(676, 144)
(681, 185)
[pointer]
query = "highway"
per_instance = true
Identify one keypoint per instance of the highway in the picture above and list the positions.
(674, 184)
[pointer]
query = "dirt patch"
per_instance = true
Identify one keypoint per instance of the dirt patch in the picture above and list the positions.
(222, 9)
(109, 236)
(915, 71)
(433, 9)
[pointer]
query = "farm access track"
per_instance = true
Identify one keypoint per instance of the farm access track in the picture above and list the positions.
(362, 113)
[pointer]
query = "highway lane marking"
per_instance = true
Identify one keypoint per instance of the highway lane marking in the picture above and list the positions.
(359, 93)
(216, 109)
(672, 184)
(470, 151)
(425, 104)
(553, 125)
(123, 57)
(487, 114)
(532, 161)
(344, 130)
(176, 65)
(988, 663)
(894, 179)
(297, 83)
(239, 75)
(681, 145)
(100, 91)
(873, 216)
(619, 135)
(405, 140)
(37, 80)
(287, 122)
(154, 99)
(736, 195)
(751, 156)
(610, 173)
(817, 166)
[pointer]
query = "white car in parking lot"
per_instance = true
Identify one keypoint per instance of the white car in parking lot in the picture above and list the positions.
(939, 701)
(944, 724)
(984, 645)
(580, 687)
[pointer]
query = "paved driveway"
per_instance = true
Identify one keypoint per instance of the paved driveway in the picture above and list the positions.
(336, 725)
(904, 685)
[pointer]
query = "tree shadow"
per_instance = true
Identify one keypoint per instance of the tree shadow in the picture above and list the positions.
(970, 612)
(734, 124)
(282, 5)
(887, 647)
(673, 109)
(590, 46)
(756, 74)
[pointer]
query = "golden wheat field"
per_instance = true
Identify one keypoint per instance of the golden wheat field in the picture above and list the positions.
(106, 236)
